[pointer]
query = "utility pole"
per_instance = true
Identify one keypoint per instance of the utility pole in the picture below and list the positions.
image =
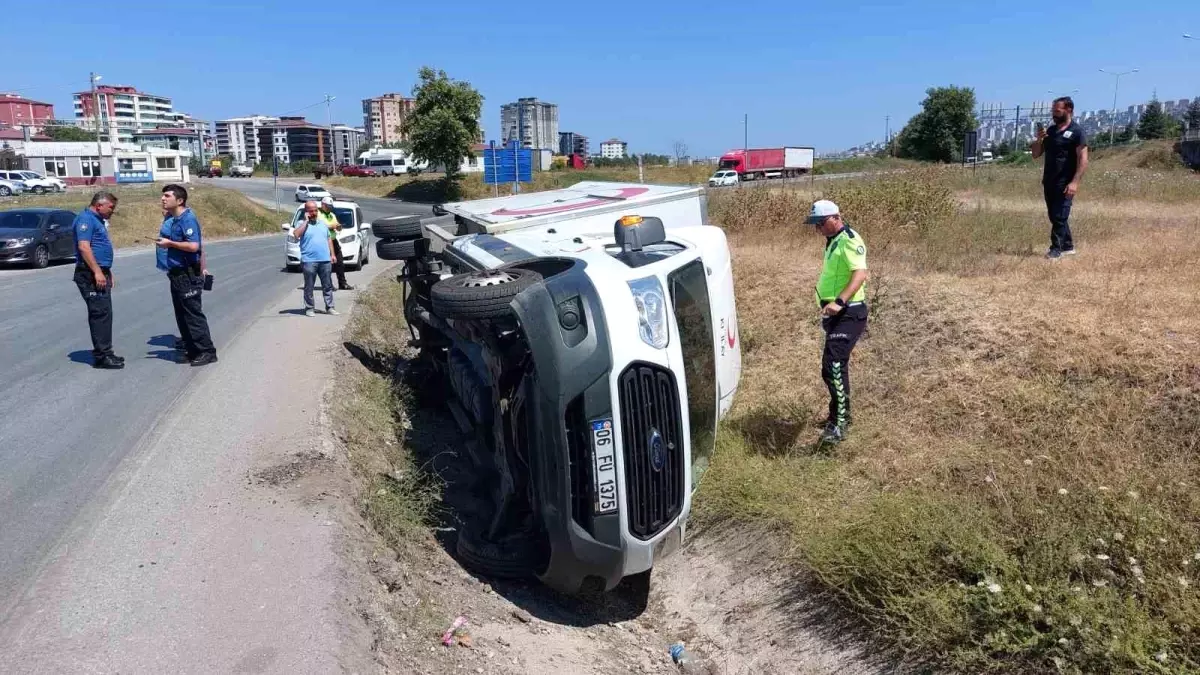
(1112, 136)
(887, 133)
(329, 120)
(746, 137)
(93, 77)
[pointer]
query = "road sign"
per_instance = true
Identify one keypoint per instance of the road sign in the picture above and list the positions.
(507, 165)
(275, 166)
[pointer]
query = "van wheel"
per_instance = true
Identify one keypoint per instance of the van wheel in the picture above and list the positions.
(515, 558)
(397, 249)
(480, 295)
(397, 227)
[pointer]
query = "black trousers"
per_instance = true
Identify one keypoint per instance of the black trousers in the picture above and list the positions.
(339, 265)
(1058, 208)
(186, 290)
(841, 334)
(99, 308)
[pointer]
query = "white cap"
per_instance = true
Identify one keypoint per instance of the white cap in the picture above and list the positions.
(821, 210)
(329, 200)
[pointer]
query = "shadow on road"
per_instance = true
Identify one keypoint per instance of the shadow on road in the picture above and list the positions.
(162, 341)
(293, 312)
(440, 447)
(83, 356)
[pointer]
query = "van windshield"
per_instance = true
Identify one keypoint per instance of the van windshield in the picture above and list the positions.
(689, 295)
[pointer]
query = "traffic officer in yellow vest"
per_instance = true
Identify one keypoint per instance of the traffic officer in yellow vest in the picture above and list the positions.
(328, 217)
(842, 296)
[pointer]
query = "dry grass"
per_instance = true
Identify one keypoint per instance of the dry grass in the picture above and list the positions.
(370, 416)
(431, 188)
(1020, 490)
(222, 213)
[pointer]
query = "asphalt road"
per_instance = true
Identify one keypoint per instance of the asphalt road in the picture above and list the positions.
(262, 191)
(67, 426)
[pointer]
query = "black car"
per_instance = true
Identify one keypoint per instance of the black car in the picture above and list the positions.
(36, 236)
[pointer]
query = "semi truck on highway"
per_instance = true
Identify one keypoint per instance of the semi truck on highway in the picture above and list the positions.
(755, 163)
(586, 340)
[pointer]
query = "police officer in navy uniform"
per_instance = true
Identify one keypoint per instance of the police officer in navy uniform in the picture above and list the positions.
(179, 254)
(93, 275)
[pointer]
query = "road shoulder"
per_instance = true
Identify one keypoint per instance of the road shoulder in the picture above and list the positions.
(217, 546)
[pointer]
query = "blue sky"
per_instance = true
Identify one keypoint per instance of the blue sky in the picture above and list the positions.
(807, 73)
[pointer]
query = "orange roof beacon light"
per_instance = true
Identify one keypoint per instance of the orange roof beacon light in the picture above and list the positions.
(634, 232)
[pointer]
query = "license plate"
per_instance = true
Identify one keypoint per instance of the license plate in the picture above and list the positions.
(604, 453)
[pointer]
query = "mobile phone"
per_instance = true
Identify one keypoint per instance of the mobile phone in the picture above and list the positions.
(208, 282)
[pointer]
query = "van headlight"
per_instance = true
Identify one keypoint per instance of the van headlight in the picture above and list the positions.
(349, 239)
(651, 305)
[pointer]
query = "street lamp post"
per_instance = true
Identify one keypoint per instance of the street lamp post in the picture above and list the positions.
(1116, 83)
(329, 120)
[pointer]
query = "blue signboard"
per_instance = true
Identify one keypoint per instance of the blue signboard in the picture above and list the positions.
(507, 165)
(275, 166)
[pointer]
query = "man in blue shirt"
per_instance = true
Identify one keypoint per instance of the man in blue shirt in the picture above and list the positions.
(316, 256)
(179, 254)
(93, 275)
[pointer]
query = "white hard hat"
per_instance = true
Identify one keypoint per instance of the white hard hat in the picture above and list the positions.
(327, 200)
(822, 209)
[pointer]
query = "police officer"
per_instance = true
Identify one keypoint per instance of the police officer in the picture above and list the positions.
(179, 254)
(339, 264)
(93, 275)
(841, 295)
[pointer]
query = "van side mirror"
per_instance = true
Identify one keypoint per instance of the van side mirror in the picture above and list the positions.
(285, 227)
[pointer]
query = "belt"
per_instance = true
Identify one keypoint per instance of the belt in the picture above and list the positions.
(84, 267)
(181, 271)
(856, 303)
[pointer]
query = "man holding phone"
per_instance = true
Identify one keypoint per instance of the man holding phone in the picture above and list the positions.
(316, 256)
(1065, 146)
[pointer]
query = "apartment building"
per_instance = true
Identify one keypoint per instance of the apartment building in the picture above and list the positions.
(613, 148)
(295, 139)
(238, 137)
(18, 111)
(122, 111)
(530, 122)
(383, 116)
(571, 143)
(346, 142)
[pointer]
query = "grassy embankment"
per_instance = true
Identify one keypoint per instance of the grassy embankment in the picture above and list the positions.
(431, 188)
(1019, 492)
(222, 213)
(1021, 489)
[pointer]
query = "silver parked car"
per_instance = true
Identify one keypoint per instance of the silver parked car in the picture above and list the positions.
(34, 181)
(9, 188)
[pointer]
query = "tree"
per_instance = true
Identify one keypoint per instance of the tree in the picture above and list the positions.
(1155, 123)
(1193, 116)
(1005, 148)
(681, 151)
(936, 133)
(69, 134)
(444, 121)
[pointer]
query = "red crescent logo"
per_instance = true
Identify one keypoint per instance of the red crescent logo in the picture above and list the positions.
(623, 193)
(730, 335)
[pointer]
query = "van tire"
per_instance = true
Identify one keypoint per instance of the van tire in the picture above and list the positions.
(494, 560)
(397, 227)
(480, 295)
(400, 249)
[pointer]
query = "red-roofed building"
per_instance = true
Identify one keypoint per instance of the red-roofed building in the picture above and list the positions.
(18, 111)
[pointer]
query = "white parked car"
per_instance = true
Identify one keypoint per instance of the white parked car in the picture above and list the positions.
(354, 237)
(311, 191)
(723, 177)
(241, 171)
(34, 181)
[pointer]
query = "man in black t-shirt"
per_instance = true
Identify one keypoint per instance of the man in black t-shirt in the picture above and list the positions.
(1065, 146)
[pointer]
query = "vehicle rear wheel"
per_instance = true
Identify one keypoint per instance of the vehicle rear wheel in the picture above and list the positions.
(5, 191)
(480, 295)
(41, 257)
(397, 249)
(397, 227)
(39, 190)
(515, 558)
